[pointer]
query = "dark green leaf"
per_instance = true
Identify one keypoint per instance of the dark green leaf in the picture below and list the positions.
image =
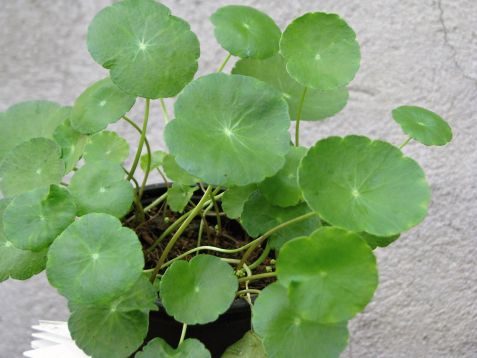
(234, 199)
(317, 105)
(149, 52)
(99, 105)
(190, 348)
(331, 274)
(423, 125)
(71, 142)
(176, 173)
(101, 187)
(178, 196)
(282, 189)
(320, 51)
(246, 32)
(95, 260)
(198, 291)
(363, 185)
(106, 145)
(15, 263)
(115, 329)
(34, 219)
(27, 120)
(286, 334)
(33, 164)
(259, 216)
(229, 130)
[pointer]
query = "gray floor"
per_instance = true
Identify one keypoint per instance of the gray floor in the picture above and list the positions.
(418, 52)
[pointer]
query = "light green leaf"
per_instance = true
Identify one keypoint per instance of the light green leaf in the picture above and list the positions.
(190, 348)
(95, 260)
(101, 187)
(198, 291)
(317, 105)
(30, 165)
(363, 185)
(71, 142)
(246, 32)
(282, 189)
(378, 241)
(34, 219)
(229, 130)
(320, 51)
(27, 120)
(106, 145)
(115, 329)
(179, 195)
(286, 334)
(149, 52)
(423, 125)
(176, 173)
(99, 105)
(234, 199)
(259, 216)
(331, 274)
(15, 263)
(157, 158)
(249, 346)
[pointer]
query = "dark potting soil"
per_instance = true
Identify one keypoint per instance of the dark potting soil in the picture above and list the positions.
(231, 236)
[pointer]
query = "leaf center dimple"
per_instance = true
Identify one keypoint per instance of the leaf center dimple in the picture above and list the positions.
(102, 103)
(8, 244)
(142, 46)
(38, 171)
(102, 189)
(317, 57)
(355, 193)
(95, 256)
(228, 132)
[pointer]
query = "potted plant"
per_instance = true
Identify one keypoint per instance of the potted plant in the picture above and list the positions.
(253, 242)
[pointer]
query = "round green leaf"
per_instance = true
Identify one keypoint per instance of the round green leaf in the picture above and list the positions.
(246, 32)
(320, 51)
(149, 52)
(234, 199)
(115, 329)
(71, 142)
(423, 125)
(95, 259)
(27, 120)
(106, 145)
(363, 185)
(15, 263)
(249, 346)
(317, 105)
(157, 158)
(378, 241)
(34, 219)
(101, 187)
(99, 105)
(30, 165)
(229, 130)
(179, 195)
(282, 189)
(286, 334)
(176, 173)
(190, 348)
(259, 216)
(331, 274)
(198, 291)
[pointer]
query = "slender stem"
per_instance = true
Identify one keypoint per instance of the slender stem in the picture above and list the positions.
(169, 229)
(405, 142)
(155, 203)
(179, 231)
(224, 62)
(183, 334)
(164, 110)
(257, 276)
(250, 290)
(298, 117)
(217, 212)
(261, 258)
(262, 238)
(141, 140)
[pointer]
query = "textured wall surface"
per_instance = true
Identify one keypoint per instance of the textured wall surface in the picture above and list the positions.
(413, 52)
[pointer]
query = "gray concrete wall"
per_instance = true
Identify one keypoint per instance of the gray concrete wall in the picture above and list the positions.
(420, 52)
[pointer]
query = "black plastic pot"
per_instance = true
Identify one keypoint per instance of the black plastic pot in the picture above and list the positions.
(217, 335)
